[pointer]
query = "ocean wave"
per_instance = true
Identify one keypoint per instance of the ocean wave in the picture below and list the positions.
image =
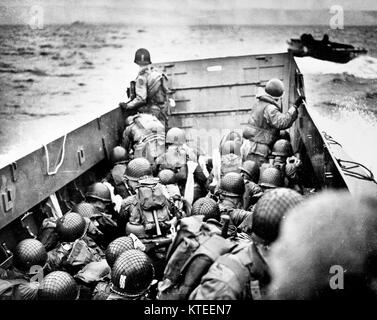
(364, 67)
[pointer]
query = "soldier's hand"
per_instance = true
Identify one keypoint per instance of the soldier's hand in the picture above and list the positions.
(299, 101)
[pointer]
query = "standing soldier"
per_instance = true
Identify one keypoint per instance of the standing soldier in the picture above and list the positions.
(150, 95)
(265, 122)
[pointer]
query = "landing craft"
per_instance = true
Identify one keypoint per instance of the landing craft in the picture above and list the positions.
(212, 96)
(323, 49)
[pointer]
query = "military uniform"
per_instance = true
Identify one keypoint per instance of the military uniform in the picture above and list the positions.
(242, 274)
(150, 93)
(264, 125)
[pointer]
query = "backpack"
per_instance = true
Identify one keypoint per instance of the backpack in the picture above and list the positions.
(245, 274)
(230, 163)
(150, 194)
(149, 133)
(194, 253)
(158, 87)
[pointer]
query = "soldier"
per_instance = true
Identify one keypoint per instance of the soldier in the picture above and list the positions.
(17, 283)
(181, 159)
(266, 119)
(99, 195)
(144, 137)
(281, 150)
(250, 174)
(271, 178)
(244, 274)
(327, 249)
(131, 278)
(58, 285)
(231, 193)
(151, 89)
(75, 248)
(119, 160)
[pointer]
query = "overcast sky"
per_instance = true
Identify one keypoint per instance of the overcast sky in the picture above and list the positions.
(156, 11)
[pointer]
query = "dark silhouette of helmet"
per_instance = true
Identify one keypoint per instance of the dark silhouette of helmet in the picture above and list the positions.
(87, 210)
(251, 168)
(58, 285)
(331, 228)
(271, 178)
(167, 176)
(28, 253)
(206, 207)
(70, 227)
(231, 147)
(116, 248)
(175, 136)
(232, 185)
(282, 148)
(142, 57)
(99, 191)
(275, 88)
(132, 273)
(118, 154)
(138, 168)
(137, 229)
(248, 133)
(270, 210)
(284, 135)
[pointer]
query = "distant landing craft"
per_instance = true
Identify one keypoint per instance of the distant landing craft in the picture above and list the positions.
(323, 49)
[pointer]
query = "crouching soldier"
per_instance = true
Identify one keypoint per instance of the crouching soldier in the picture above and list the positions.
(132, 276)
(75, 248)
(144, 137)
(99, 195)
(243, 273)
(231, 194)
(250, 174)
(21, 281)
(119, 159)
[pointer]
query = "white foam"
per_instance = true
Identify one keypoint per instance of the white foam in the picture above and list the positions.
(362, 67)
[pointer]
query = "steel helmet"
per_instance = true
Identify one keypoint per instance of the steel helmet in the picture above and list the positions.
(231, 147)
(232, 185)
(132, 273)
(29, 252)
(138, 168)
(271, 209)
(330, 228)
(137, 229)
(283, 134)
(117, 247)
(118, 154)
(175, 136)
(58, 285)
(251, 168)
(248, 133)
(167, 176)
(282, 148)
(275, 88)
(271, 178)
(70, 227)
(206, 207)
(99, 191)
(142, 57)
(87, 210)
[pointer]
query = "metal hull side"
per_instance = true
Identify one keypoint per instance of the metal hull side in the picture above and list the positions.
(25, 182)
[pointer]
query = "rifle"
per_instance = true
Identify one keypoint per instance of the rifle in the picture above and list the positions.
(157, 242)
